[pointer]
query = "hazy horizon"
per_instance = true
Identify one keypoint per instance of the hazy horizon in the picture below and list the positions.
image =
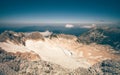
(60, 11)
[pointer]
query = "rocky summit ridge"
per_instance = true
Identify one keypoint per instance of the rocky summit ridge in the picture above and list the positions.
(102, 35)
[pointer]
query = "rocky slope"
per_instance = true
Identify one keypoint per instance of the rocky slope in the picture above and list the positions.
(13, 64)
(57, 54)
(17, 38)
(106, 67)
(102, 35)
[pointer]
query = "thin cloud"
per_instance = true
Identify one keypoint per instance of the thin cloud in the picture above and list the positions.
(69, 26)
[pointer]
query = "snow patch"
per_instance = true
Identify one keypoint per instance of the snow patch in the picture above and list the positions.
(11, 47)
(46, 33)
(52, 52)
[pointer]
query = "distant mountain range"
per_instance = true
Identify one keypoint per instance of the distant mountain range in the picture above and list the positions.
(55, 29)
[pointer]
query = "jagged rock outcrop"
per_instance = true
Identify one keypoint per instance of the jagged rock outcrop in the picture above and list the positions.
(6, 70)
(102, 35)
(9, 64)
(106, 67)
(41, 68)
(5, 57)
(17, 38)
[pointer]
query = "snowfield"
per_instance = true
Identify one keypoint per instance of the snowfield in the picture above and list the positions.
(54, 53)
(64, 52)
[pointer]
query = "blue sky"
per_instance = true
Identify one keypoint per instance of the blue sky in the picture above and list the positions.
(59, 11)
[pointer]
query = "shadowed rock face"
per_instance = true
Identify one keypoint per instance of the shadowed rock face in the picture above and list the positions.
(35, 36)
(102, 35)
(17, 38)
(8, 63)
(107, 67)
(6, 57)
